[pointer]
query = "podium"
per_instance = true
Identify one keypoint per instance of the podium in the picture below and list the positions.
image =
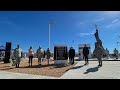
(60, 54)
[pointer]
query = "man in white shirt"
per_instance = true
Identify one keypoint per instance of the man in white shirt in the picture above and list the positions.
(18, 54)
(39, 55)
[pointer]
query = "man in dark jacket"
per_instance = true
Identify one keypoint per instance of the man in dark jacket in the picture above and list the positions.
(71, 55)
(86, 53)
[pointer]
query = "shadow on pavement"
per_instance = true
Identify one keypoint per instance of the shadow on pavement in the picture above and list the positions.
(95, 69)
(6, 68)
(37, 66)
(77, 67)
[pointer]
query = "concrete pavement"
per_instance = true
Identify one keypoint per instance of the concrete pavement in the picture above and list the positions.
(109, 70)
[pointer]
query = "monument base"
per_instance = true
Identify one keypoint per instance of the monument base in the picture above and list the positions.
(63, 62)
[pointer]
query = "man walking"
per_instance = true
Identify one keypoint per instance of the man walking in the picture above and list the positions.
(85, 54)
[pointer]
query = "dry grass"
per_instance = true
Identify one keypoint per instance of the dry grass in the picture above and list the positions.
(44, 69)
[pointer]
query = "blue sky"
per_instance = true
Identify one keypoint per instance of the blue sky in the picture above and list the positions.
(30, 28)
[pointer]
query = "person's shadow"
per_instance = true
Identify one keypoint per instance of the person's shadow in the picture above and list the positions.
(95, 69)
(77, 67)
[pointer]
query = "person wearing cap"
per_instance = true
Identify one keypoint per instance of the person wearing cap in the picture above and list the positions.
(39, 54)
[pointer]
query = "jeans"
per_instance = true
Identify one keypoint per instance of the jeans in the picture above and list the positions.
(30, 60)
(18, 61)
(72, 60)
(39, 60)
(86, 59)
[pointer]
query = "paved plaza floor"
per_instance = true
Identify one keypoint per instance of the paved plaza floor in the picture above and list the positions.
(109, 70)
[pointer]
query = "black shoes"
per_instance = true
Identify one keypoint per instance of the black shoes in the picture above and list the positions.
(100, 65)
(86, 63)
(29, 65)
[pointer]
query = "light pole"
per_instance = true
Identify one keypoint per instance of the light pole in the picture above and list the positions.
(49, 34)
(117, 45)
(49, 38)
(72, 43)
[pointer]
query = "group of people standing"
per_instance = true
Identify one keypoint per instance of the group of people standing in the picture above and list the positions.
(17, 55)
(41, 55)
(116, 53)
(85, 54)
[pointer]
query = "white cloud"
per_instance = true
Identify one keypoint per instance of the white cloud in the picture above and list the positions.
(81, 23)
(100, 19)
(86, 34)
(114, 23)
(116, 20)
(111, 13)
(16, 26)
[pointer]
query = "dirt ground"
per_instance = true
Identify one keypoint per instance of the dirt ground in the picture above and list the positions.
(44, 69)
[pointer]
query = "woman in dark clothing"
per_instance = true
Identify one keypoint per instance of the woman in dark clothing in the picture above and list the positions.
(31, 55)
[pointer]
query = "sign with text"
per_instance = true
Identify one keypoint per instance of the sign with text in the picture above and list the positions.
(60, 52)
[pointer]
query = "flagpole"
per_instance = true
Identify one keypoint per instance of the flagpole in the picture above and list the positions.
(72, 43)
(117, 45)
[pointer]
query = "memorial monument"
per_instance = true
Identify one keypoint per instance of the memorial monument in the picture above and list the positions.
(60, 54)
(99, 51)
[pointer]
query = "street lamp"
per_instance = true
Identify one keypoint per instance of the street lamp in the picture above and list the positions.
(72, 43)
(117, 45)
(49, 34)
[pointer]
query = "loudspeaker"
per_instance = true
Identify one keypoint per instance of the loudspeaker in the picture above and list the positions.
(55, 53)
(7, 57)
(8, 46)
(66, 55)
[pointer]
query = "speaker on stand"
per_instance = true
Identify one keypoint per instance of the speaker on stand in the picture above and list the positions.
(7, 52)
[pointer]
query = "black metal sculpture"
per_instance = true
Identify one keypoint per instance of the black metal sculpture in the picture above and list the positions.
(99, 51)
